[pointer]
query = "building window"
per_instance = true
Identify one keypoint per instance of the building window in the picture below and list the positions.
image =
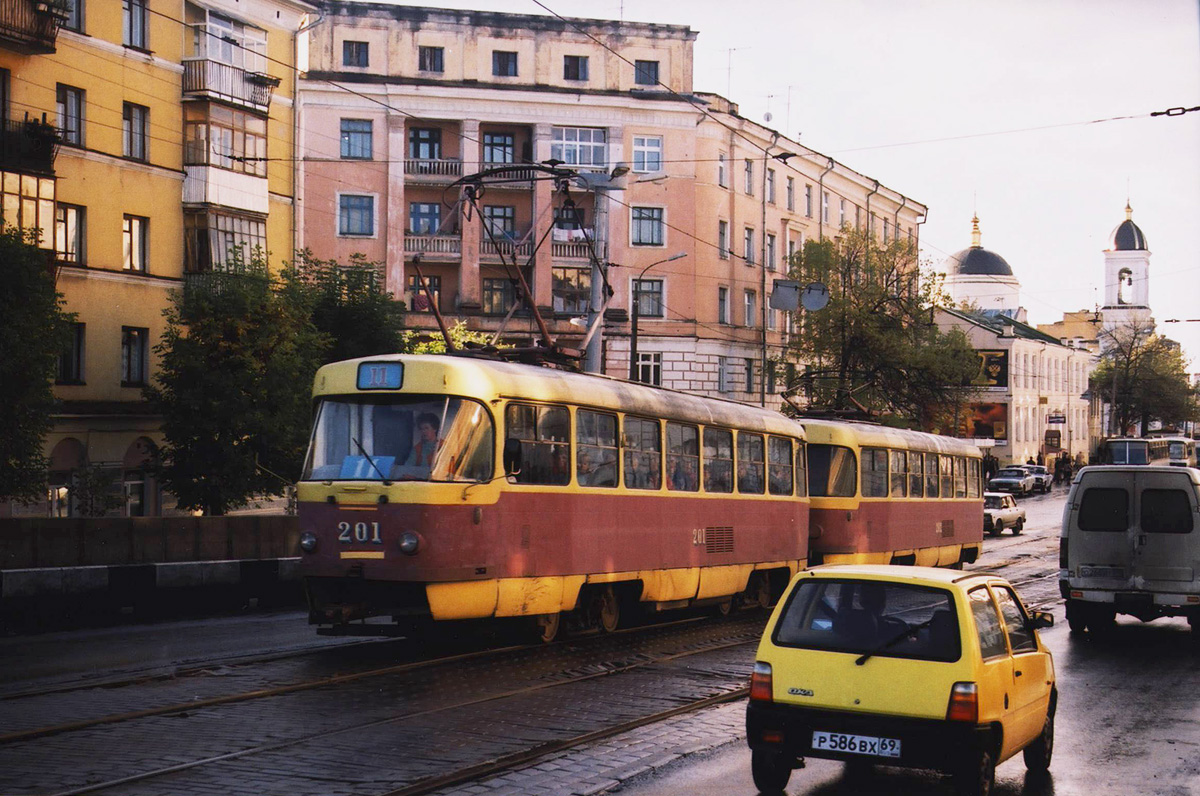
(770, 252)
(648, 295)
(27, 201)
(790, 191)
(135, 120)
(722, 374)
(722, 305)
(572, 289)
(356, 53)
(886, 231)
(135, 234)
(70, 231)
(750, 310)
(808, 201)
(70, 115)
(425, 143)
(723, 240)
(220, 38)
(356, 139)
(749, 371)
(216, 135)
(771, 186)
(649, 369)
(575, 67)
(748, 171)
(221, 241)
(825, 207)
(70, 361)
(431, 59)
(134, 15)
(645, 73)
(579, 146)
(748, 246)
(134, 353)
(647, 154)
(424, 218)
(569, 223)
(356, 214)
(841, 212)
(498, 148)
(498, 296)
(722, 174)
(74, 20)
(504, 63)
(418, 300)
(500, 221)
(646, 226)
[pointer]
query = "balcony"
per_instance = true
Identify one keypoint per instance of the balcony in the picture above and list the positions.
(28, 146)
(506, 249)
(434, 246)
(216, 80)
(31, 26)
(434, 170)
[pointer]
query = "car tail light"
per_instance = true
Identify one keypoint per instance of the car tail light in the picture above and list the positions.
(964, 703)
(760, 683)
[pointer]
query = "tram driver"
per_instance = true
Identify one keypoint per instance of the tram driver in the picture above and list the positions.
(419, 464)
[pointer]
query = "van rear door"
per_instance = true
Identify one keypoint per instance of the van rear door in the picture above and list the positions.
(1166, 544)
(1100, 529)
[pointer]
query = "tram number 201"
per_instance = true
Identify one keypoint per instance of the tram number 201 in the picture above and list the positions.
(359, 532)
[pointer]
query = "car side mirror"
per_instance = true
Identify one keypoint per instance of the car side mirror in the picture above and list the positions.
(512, 456)
(1041, 619)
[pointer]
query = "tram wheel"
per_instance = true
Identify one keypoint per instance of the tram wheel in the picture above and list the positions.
(546, 627)
(759, 592)
(606, 610)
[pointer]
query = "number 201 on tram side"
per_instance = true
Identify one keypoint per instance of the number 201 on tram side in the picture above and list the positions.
(890, 496)
(445, 488)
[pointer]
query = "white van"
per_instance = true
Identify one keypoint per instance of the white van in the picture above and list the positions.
(1131, 545)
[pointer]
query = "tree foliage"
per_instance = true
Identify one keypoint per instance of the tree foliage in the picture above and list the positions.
(1144, 377)
(34, 330)
(875, 346)
(236, 368)
(415, 342)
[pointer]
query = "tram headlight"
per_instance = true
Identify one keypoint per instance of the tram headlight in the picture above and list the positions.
(308, 542)
(409, 543)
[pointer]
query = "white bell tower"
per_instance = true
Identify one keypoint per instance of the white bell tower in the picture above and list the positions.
(1127, 276)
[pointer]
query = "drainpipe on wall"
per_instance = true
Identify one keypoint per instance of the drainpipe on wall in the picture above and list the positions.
(821, 200)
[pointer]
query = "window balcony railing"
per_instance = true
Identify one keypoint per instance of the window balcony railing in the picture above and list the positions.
(433, 167)
(28, 146)
(571, 250)
(31, 26)
(506, 248)
(432, 244)
(230, 83)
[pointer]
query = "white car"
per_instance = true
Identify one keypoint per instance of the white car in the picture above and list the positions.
(1015, 479)
(1001, 511)
(1043, 479)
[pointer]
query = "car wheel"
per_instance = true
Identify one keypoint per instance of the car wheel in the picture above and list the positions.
(997, 527)
(1038, 753)
(1076, 618)
(771, 771)
(1017, 528)
(978, 778)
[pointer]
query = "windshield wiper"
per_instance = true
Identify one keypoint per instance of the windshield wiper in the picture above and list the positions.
(908, 631)
(371, 460)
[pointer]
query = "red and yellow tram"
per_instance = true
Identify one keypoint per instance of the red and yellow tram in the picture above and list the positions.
(441, 487)
(889, 496)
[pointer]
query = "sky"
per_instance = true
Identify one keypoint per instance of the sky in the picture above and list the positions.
(1034, 114)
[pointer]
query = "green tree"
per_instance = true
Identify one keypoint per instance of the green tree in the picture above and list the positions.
(414, 342)
(34, 330)
(875, 346)
(349, 304)
(236, 368)
(1144, 377)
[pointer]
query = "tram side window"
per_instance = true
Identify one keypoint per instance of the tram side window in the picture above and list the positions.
(596, 441)
(801, 470)
(916, 476)
(779, 465)
(750, 463)
(973, 478)
(544, 432)
(718, 460)
(643, 454)
(874, 472)
(683, 457)
(947, 463)
(899, 473)
(832, 471)
(960, 477)
(931, 475)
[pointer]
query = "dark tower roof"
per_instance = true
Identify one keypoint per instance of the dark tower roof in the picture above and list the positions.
(978, 261)
(1128, 236)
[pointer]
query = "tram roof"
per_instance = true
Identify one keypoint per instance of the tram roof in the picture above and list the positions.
(489, 379)
(841, 432)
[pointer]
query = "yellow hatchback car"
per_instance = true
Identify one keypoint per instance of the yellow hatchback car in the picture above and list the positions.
(901, 666)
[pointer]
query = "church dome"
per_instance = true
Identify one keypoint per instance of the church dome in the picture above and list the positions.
(978, 261)
(1128, 236)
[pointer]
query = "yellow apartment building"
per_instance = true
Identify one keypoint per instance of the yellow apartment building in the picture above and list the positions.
(158, 166)
(689, 208)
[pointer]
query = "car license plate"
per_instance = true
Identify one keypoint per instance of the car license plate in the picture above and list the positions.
(855, 744)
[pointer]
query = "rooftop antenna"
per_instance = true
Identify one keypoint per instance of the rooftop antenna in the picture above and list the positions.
(729, 70)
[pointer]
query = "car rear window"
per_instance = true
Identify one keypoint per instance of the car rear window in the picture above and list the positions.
(1104, 509)
(1166, 511)
(860, 616)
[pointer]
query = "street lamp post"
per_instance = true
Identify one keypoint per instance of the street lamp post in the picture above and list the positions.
(633, 315)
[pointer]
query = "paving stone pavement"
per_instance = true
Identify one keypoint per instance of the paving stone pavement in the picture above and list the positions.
(602, 766)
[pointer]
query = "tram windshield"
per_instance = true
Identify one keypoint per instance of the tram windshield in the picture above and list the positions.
(401, 438)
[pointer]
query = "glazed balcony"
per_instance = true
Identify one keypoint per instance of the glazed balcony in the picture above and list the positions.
(31, 26)
(216, 80)
(28, 146)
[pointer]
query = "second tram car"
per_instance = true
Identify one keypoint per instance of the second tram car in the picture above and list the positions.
(441, 488)
(889, 496)
(1181, 452)
(1134, 450)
